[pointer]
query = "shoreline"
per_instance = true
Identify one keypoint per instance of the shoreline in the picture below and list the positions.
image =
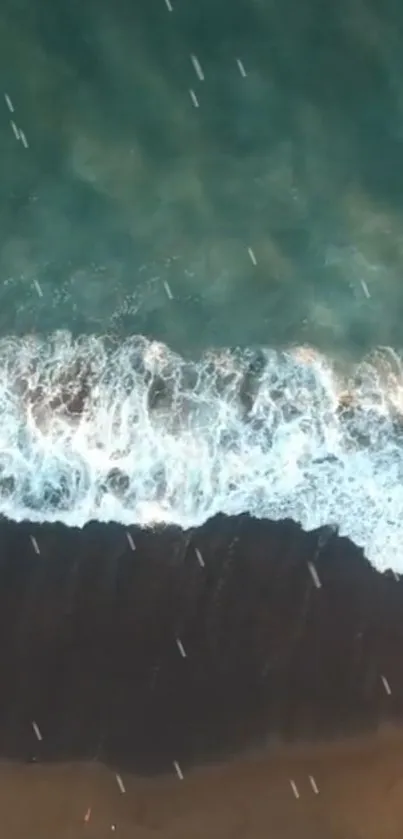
(242, 655)
(349, 789)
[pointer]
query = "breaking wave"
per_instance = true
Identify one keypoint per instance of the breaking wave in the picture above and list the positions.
(132, 432)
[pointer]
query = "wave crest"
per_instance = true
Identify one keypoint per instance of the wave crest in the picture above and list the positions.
(132, 432)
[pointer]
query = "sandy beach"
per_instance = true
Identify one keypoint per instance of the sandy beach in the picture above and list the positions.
(349, 790)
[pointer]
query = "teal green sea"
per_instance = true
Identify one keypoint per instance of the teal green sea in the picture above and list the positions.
(205, 173)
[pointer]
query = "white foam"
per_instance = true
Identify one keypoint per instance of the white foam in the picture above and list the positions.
(133, 433)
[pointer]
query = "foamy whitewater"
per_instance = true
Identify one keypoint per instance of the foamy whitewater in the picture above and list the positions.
(133, 433)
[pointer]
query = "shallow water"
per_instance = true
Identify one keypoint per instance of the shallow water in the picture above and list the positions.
(209, 177)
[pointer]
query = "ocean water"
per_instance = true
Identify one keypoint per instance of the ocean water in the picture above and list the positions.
(201, 258)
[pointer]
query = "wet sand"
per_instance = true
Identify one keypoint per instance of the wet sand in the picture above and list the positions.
(359, 794)
(156, 653)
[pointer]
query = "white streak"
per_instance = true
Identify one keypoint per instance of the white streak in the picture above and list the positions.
(169, 5)
(294, 788)
(313, 784)
(194, 98)
(15, 130)
(178, 770)
(168, 290)
(120, 784)
(199, 557)
(365, 289)
(37, 732)
(9, 103)
(35, 545)
(252, 256)
(197, 66)
(130, 540)
(241, 67)
(181, 648)
(386, 685)
(23, 139)
(314, 575)
(38, 288)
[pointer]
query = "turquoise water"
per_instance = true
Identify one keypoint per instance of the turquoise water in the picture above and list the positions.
(125, 184)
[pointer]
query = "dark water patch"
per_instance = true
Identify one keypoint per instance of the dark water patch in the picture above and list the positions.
(163, 645)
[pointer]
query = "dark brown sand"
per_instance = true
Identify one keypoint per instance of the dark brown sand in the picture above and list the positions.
(127, 652)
